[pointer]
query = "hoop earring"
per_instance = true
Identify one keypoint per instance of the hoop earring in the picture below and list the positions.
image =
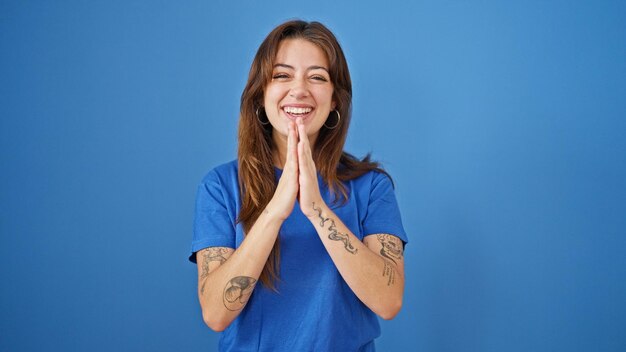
(259, 118)
(338, 120)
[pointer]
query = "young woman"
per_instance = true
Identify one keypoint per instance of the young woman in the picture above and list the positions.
(299, 245)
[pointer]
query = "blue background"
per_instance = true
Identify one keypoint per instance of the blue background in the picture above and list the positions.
(502, 123)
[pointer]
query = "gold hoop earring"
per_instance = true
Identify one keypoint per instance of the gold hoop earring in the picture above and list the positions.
(259, 118)
(338, 120)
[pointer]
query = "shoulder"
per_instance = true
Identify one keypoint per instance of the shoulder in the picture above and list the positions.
(222, 179)
(223, 174)
(218, 193)
(373, 179)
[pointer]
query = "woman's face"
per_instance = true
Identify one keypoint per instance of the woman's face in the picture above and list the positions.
(300, 87)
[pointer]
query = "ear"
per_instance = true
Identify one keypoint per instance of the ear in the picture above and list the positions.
(333, 105)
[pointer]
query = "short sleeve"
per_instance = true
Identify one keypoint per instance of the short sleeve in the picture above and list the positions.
(212, 225)
(383, 213)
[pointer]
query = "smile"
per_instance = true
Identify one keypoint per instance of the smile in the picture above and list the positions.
(294, 112)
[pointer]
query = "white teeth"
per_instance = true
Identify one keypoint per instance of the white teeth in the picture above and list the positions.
(294, 110)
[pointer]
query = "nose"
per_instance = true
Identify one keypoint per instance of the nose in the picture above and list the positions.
(299, 89)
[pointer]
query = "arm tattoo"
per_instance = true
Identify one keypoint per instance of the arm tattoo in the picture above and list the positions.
(211, 254)
(237, 292)
(392, 247)
(390, 272)
(334, 234)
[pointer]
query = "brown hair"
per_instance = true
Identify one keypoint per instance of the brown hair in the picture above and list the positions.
(256, 168)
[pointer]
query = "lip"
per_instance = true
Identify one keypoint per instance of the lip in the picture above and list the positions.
(294, 117)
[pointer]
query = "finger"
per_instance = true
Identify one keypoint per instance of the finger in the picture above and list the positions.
(292, 142)
(302, 130)
(306, 166)
(304, 139)
(301, 158)
(306, 151)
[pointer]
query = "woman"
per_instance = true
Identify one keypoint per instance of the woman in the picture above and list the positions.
(299, 245)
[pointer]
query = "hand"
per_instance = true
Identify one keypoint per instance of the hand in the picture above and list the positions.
(284, 198)
(309, 187)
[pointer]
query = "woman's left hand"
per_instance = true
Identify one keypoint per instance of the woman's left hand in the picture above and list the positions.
(309, 187)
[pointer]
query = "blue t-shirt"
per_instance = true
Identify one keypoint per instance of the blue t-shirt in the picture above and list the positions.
(314, 310)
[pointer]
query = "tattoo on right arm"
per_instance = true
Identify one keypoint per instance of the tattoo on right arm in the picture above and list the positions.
(237, 292)
(211, 254)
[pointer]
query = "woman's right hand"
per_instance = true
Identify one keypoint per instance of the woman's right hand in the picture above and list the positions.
(227, 276)
(286, 193)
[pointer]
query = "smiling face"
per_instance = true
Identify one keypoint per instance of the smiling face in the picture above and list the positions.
(300, 87)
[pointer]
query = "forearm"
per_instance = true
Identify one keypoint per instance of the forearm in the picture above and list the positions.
(226, 290)
(378, 282)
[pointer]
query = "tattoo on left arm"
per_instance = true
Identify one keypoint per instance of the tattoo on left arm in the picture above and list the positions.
(334, 234)
(390, 272)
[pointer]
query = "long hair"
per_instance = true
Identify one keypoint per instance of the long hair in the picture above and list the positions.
(255, 147)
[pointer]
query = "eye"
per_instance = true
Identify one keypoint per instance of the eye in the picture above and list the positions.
(319, 78)
(280, 76)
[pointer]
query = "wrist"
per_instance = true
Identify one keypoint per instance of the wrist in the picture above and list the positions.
(271, 215)
(317, 208)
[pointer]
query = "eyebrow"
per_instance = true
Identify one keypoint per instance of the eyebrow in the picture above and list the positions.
(308, 69)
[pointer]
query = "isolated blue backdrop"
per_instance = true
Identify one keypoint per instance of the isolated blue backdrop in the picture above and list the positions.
(502, 123)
